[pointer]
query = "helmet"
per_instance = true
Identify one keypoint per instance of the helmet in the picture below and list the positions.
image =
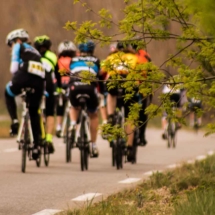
(89, 46)
(18, 33)
(66, 46)
(42, 41)
(112, 47)
(122, 45)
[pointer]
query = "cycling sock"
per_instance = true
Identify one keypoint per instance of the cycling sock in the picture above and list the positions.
(94, 145)
(72, 123)
(58, 128)
(49, 138)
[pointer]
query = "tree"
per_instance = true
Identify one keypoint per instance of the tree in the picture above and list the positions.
(147, 21)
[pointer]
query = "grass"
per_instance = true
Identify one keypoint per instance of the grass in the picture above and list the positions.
(4, 128)
(188, 190)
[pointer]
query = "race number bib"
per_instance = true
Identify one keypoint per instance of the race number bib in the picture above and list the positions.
(36, 68)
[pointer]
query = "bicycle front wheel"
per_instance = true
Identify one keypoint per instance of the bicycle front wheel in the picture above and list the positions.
(46, 154)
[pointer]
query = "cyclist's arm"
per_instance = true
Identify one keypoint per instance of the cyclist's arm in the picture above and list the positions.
(58, 76)
(15, 59)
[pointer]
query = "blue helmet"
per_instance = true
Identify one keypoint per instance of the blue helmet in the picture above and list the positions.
(88, 47)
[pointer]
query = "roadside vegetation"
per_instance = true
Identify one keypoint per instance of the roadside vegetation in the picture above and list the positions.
(187, 190)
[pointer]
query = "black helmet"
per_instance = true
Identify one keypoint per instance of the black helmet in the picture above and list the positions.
(42, 41)
(122, 45)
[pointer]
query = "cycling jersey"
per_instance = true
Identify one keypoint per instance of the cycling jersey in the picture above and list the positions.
(169, 89)
(87, 63)
(49, 60)
(143, 56)
(26, 58)
(64, 69)
(120, 63)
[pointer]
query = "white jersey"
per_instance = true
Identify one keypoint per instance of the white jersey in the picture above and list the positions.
(168, 89)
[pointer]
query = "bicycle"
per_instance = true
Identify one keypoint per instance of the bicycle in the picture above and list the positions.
(82, 134)
(25, 136)
(171, 132)
(45, 150)
(118, 145)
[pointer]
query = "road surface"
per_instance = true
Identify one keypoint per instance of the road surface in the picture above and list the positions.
(45, 190)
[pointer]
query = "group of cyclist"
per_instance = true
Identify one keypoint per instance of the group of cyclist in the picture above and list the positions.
(36, 66)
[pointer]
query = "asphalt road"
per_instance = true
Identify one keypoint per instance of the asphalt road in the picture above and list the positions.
(61, 185)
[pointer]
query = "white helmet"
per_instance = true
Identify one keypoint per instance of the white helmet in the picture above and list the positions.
(66, 46)
(18, 33)
(112, 47)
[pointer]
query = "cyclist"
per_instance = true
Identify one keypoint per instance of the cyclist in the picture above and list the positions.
(121, 61)
(49, 60)
(143, 57)
(66, 51)
(28, 72)
(103, 88)
(85, 62)
(194, 105)
(175, 96)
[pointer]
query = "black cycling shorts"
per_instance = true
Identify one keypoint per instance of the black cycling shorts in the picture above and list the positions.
(175, 97)
(78, 88)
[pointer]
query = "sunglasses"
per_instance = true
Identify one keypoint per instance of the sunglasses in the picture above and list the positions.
(10, 43)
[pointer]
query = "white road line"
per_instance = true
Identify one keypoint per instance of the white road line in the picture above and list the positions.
(47, 212)
(87, 197)
(151, 172)
(191, 161)
(60, 145)
(11, 150)
(172, 166)
(210, 152)
(200, 157)
(129, 180)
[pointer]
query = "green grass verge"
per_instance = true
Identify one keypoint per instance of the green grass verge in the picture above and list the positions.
(4, 128)
(188, 190)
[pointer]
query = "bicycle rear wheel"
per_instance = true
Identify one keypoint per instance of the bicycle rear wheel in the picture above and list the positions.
(84, 146)
(113, 155)
(38, 161)
(118, 154)
(68, 142)
(25, 146)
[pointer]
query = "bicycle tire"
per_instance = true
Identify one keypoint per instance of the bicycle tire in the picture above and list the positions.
(118, 155)
(169, 138)
(68, 142)
(25, 146)
(134, 147)
(84, 148)
(38, 160)
(113, 154)
(46, 154)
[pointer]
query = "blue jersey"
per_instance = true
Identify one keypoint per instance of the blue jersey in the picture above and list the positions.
(26, 58)
(87, 63)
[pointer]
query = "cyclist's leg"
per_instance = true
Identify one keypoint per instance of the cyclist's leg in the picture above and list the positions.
(60, 110)
(49, 112)
(103, 108)
(75, 107)
(111, 104)
(143, 118)
(34, 106)
(92, 106)
(13, 88)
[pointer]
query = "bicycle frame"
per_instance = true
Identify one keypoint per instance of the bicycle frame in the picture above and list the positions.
(83, 114)
(66, 114)
(24, 114)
